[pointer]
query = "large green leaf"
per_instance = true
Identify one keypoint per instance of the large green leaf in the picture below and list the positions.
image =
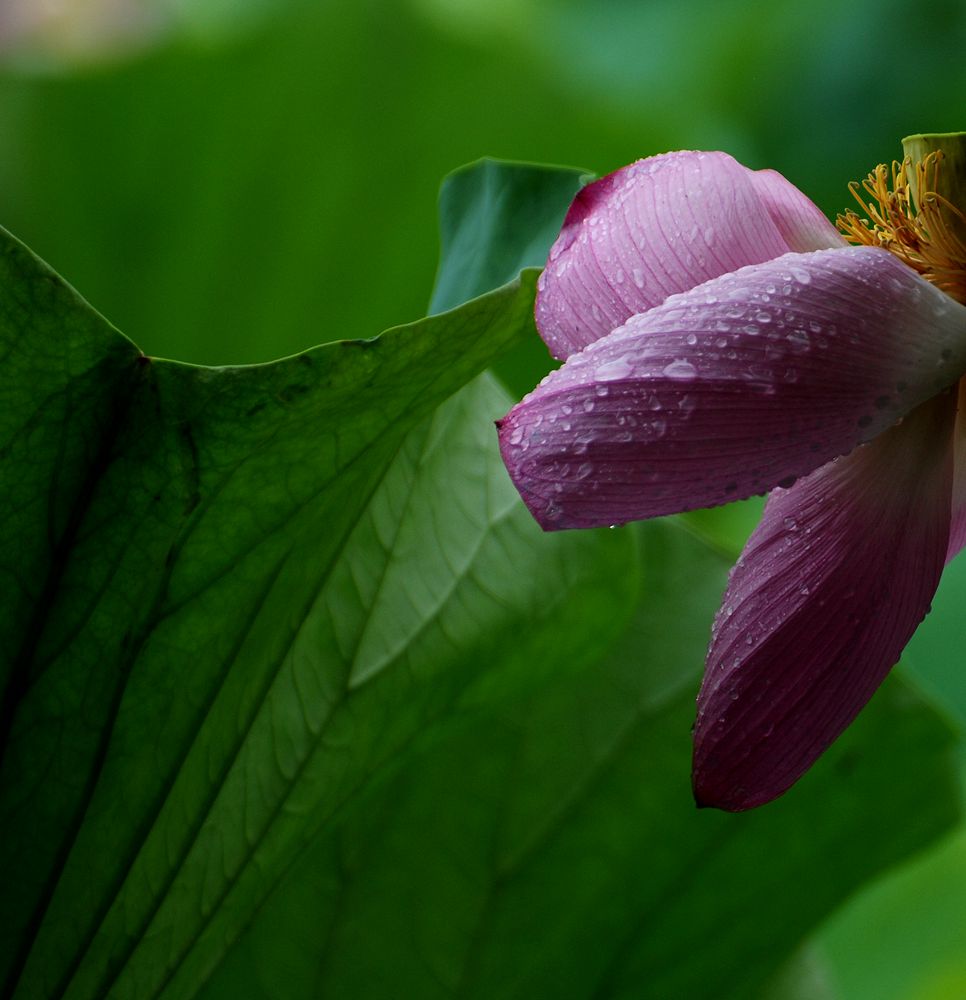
(543, 843)
(233, 594)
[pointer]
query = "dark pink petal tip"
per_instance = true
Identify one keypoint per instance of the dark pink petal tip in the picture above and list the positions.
(830, 588)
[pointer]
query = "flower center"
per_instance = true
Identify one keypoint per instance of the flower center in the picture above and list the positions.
(907, 215)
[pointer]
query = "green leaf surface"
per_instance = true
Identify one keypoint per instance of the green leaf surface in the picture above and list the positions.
(513, 217)
(214, 571)
(521, 213)
(544, 843)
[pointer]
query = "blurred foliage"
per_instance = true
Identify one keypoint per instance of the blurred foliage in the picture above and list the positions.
(217, 192)
(215, 195)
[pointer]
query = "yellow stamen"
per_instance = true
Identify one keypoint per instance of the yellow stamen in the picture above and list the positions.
(916, 223)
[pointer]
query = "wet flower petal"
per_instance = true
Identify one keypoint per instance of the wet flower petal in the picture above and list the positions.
(829, 589)
(740, 384)
(657, 227)
(799, 220)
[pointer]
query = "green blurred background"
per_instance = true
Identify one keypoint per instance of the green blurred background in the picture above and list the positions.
(215, 175)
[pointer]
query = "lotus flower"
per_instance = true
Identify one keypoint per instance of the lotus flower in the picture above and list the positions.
(721, 339)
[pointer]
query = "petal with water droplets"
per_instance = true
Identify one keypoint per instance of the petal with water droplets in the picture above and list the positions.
(830, 588)
(745, 382)
(631, 239)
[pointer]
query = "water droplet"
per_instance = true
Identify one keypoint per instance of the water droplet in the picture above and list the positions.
(681, 369)
(801, 275)
(691, 339)
(516, 435)
(588, 405)
(638, 277)
(610, 370)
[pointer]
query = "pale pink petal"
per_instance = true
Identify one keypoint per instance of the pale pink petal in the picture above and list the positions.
(745, 382)
(957, 531)
(659, 226)
(799, 220)
(830, 588)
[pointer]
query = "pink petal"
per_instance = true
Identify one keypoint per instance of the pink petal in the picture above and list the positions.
(749, 380)
(659, 226)
(957, 531)
(799, 220)
(828, 591)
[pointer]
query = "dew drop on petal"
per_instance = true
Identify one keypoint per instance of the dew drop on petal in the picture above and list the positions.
(611, 370)
(681, 369)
